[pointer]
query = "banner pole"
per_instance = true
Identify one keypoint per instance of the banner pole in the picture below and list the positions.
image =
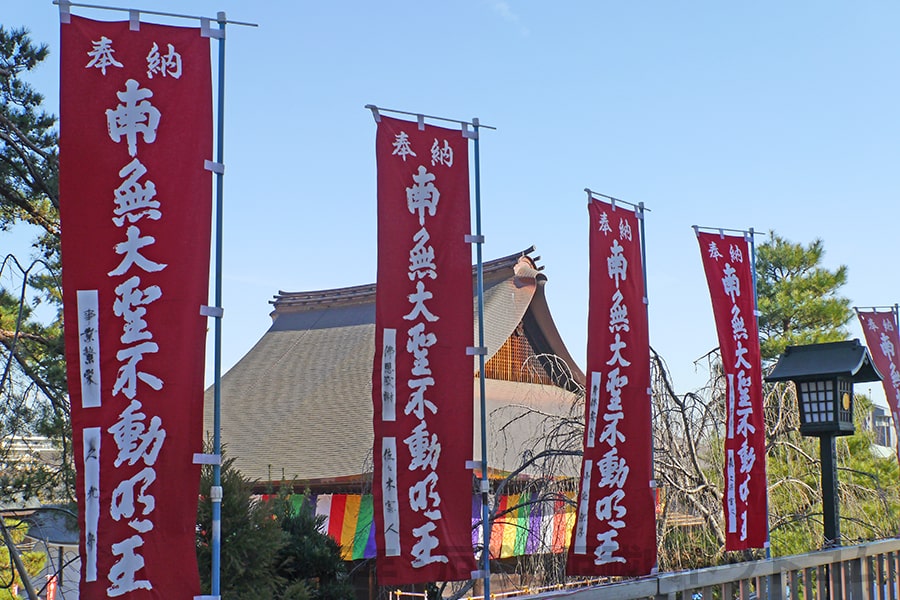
(654, 487)
(752, 241)
(485, 482)
(216, 489)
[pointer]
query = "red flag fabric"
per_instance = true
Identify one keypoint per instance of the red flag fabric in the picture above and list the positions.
(884, 343)
(615, 529)
(422, 377)
(135, 210)
(727, 261)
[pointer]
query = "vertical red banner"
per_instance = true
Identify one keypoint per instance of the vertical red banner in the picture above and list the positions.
(727, 261)
(135, 209)
(615, 532)
(422, 377)
(884, 343)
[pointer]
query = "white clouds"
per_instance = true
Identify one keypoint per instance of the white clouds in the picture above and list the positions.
(505, 11)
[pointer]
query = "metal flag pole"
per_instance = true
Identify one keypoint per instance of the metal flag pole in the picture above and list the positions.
(485, 482)
(639, 212)
(752, 241)
(215, 493)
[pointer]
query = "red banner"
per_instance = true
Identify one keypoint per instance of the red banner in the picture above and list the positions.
(615, 533)
(135, 209)
(727, 261)
(884, 343)
(422, 378)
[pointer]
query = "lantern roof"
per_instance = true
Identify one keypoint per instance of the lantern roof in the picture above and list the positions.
(818, 361)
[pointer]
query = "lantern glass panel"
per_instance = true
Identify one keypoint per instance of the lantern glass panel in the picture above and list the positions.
(817, 401)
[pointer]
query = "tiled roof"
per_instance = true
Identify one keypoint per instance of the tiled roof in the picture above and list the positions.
(298, 404)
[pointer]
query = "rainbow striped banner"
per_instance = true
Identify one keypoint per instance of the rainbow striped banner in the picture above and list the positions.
(526, 525)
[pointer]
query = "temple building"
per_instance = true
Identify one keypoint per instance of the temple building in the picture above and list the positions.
(297, 408)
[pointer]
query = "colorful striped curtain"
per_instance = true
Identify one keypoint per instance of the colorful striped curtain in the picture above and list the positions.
(531, 527)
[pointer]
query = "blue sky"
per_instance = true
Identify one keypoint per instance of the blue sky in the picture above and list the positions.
(772, 115)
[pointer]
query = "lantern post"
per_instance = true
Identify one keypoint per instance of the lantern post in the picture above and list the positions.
(824, 375)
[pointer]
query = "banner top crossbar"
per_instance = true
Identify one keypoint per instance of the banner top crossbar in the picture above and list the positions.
(722, 230)
(592, 195)
(66, 3)
(860, 309)
(376, 110)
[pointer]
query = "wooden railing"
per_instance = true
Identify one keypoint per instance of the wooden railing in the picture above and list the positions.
(865, 572)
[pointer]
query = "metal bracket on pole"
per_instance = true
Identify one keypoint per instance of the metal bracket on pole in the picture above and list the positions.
(375, 114)
(469, 134)
(215, 312)
(477, 575)
(207, 597)
(485, 486)
(207, 459)
(215, 493)
(65, 11)
(208, 32)
(134, 20)
(215, 167)
(474, 239)
(476, 351)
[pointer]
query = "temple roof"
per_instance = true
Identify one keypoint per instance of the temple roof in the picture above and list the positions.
(298, 405)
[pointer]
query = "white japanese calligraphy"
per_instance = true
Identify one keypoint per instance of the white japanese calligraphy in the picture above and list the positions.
(624, 229)
(425, 545)
(136, 116)
(421, 257)
(423, 195)
(423, 447)
(441, 155)
(132, 199)
(167, 66)
(102, 55)
(418, 301)
(603, 225)
(401, 146)
(731, 282)
(123, 574)
(131, 249)
(617, 264)
(135, 439)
